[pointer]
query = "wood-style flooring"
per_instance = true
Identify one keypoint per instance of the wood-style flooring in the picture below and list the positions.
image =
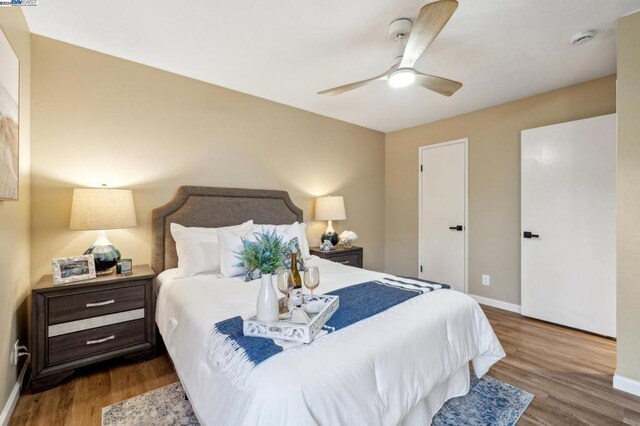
(568, 371)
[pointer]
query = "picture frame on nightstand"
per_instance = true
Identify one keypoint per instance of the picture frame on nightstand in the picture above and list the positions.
(73, 269)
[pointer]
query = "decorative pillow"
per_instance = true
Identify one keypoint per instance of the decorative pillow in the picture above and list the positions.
(230, 246)
(287, 232)
(198, 248)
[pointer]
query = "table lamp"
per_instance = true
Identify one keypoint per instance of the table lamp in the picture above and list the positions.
(330, 208)
(101, 209)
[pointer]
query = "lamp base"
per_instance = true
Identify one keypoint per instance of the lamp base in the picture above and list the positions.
(105, 254)
(331, 236)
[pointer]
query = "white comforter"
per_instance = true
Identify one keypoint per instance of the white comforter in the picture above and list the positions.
(375, 372)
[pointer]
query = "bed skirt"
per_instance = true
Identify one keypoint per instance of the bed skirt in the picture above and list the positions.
(456, 385)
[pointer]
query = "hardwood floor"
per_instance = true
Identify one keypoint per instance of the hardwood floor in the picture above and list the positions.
(79, 401)
(568, 371)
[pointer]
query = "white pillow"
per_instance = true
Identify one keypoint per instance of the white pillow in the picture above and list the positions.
(230, 246)
(198, 248)
(304, 243)
(289, 232)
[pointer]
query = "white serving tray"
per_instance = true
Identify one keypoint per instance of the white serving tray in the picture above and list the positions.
(285, 330)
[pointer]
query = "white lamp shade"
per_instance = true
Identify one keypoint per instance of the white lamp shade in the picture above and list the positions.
(330, 208)
(102, 208)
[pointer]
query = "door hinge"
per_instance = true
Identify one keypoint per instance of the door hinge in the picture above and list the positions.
(420, 167)
(420, 268)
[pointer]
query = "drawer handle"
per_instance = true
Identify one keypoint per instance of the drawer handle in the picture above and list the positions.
(345, 262)
(106, 302)
(105, 339)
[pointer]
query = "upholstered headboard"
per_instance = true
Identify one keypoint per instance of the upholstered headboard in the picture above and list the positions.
(215, 207)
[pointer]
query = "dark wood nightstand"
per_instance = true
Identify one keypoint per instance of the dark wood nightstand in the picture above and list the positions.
(83, 323)
(347, 256)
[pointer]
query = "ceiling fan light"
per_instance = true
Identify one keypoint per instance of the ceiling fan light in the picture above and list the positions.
(402, 78)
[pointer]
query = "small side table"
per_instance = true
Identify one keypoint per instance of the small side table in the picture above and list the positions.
(347, 256)
(83, 323)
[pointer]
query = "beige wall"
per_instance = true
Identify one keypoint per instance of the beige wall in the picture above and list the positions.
(494, 180)
(102, 119)
(628, 184)
(14, 218)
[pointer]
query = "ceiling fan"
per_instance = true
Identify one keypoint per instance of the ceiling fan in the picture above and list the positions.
(430, 21)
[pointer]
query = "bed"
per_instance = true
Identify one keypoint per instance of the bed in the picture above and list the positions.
(397, 367)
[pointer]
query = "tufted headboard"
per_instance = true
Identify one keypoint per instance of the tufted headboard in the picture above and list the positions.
(215, 207)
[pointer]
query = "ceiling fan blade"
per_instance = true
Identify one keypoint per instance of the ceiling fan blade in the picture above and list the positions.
(430, 21)
(351, 86)
(439, 85)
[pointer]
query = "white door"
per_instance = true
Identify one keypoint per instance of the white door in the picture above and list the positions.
(568, 245)
(442, 216)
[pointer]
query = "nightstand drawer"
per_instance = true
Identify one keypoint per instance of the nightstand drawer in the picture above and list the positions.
(350, 259)
(94, 303)
(97, 340)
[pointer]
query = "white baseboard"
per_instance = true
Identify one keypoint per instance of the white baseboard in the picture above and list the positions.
(512, 307)
(626, 384)
(7, 411)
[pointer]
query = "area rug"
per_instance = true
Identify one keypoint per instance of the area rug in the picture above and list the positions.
(489, 402)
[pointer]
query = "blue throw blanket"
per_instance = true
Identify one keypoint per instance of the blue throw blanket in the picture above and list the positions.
(236, 354)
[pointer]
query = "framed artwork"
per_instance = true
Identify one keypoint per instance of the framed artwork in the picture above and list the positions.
(9, 122)
(71, 269)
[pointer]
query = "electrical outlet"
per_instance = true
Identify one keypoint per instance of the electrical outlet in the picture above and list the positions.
(486, 279)
(14, 354)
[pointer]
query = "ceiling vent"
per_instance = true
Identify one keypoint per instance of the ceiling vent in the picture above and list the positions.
(582, 38)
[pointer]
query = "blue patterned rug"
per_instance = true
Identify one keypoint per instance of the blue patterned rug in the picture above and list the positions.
(489, 402)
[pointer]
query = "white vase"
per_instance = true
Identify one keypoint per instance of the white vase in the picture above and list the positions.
(267, 304)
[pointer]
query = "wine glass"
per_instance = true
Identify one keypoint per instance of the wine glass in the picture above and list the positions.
(285, 286)
(311, 279)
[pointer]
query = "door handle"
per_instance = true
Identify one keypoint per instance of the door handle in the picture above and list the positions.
(527, 234)
(457, 228)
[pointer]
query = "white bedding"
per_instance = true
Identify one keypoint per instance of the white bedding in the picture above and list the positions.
(397, 367)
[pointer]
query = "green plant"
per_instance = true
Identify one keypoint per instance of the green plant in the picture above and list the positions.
(266, 254)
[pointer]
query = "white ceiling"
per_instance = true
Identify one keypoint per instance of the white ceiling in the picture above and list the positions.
(287, 50)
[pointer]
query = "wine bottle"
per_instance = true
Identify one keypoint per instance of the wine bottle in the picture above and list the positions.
(294, 276)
